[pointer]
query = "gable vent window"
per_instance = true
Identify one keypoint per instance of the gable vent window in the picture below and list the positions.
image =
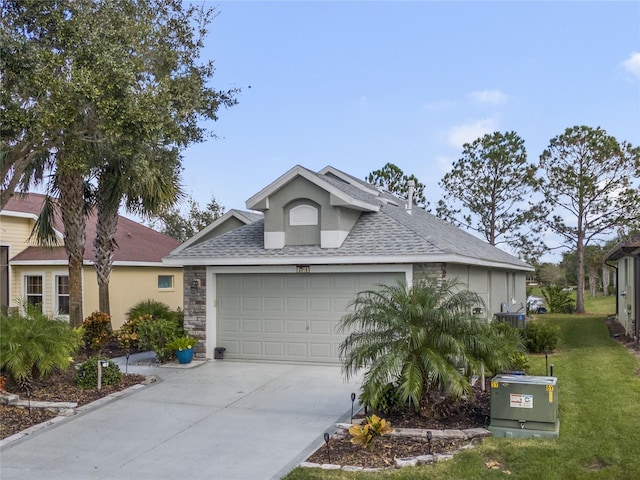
(303, 215)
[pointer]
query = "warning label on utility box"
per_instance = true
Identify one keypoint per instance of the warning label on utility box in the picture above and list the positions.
(519, 400)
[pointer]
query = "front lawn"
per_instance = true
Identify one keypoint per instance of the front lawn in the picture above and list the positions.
(599, 404)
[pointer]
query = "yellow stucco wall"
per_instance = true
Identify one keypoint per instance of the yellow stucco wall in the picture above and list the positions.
(128, 286)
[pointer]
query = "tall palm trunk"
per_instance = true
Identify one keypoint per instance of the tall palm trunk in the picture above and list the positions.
(108, 202)
(72, 208)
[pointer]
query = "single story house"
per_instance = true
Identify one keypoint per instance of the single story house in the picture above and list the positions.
(40, 275)
(625, 259)
(275, 289)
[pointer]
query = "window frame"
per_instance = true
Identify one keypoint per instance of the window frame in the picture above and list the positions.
(169, 288)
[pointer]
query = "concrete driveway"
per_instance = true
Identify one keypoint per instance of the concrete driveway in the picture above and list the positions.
(221, 420)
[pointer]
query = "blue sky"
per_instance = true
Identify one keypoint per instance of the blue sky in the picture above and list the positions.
(358, 84)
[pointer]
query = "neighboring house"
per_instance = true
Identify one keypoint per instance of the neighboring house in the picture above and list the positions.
(40, 275)
(625, 258)
(275, 289)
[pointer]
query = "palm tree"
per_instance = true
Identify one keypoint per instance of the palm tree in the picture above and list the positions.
(423, 340)
(147, 185)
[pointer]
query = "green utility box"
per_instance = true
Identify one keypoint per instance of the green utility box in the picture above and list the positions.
(524, 406)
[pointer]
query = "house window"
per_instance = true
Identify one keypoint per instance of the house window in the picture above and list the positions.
(62, 294)
(165, 281)
(33, 289)
(303, 215)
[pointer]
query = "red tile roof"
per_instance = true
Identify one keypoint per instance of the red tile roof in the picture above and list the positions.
(135, 242)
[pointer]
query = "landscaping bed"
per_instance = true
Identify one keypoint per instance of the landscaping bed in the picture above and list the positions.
(57, 387)
(474, 413)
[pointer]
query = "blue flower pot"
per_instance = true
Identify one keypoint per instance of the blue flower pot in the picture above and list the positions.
(185, 356)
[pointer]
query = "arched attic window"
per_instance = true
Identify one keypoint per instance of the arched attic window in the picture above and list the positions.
(303, 215)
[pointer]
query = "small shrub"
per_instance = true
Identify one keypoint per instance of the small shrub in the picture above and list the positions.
(128, 336)
(558, 300)
(519, 361)
(87, 376)
(386, 399)
(35, 345)
(155, 334)
(151, 307)
(97, 331)
(541, 337)
(366, 433)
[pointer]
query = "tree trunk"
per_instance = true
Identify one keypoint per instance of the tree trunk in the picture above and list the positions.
(593, 282)
(606, 279)
(580, 273)
(104, 245)
(71, 186)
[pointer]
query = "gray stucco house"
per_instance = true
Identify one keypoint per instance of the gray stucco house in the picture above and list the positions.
(275, 285)
(625, 258)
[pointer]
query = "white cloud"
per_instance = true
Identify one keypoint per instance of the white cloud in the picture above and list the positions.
(632, 64)
(468, 132)
(494, 97)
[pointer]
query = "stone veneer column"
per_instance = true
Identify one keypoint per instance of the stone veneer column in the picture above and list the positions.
(195, 306)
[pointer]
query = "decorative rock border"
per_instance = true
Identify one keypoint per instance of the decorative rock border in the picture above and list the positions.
(473, 435)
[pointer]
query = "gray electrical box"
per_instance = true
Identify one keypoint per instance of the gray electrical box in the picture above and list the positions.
(524, 406)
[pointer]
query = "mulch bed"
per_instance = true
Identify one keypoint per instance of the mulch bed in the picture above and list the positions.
(474, 413)
(57, 387)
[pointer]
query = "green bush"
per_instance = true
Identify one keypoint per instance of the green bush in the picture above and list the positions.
(154, 309)
(386, 399)
(35, 345)
(558, 300)
(541, 336)
(87, 376)
(155, 334)
(519, 361)
(97, 331)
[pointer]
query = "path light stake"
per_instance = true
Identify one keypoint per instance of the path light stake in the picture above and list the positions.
(429, 437)
(353, 399)
(546, 363)
(326, 441)
(29, 400)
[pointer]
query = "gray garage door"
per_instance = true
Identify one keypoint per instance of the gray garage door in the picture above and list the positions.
(287, 317)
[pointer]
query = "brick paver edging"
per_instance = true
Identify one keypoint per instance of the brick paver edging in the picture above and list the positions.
(473, 435)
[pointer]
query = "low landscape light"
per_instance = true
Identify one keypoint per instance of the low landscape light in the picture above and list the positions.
(429, 437)
(353, 399)
(326, 441)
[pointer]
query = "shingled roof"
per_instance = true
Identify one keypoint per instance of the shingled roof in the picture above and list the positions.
(391, 234)
(136, 243)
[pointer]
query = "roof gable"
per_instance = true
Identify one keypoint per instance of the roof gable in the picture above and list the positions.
(388, 234)
(339, 196)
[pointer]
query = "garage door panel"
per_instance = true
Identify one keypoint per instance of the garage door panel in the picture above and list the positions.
(287, 317)
(296, 304)
(320, 304)
(321, 351)
(274, 326)
(275, 283)
(274, 349)
(252, 326)
(252, 304)
(274, 304)
(251, 348)
(320, 328)
(297, 327)
(297, 349)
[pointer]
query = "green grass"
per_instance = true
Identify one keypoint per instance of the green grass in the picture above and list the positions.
(599, 402)
(598, 305)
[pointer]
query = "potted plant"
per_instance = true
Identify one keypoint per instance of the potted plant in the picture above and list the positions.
(183, 348)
